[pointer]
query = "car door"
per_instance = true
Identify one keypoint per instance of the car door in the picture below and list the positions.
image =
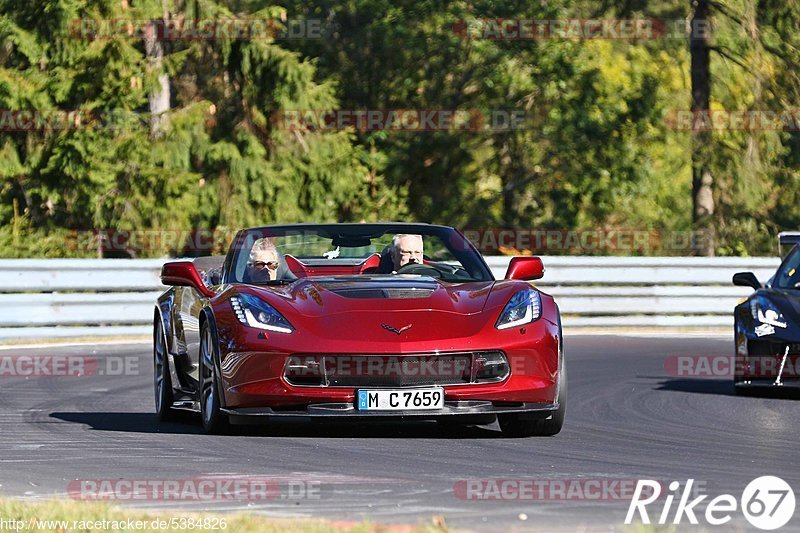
(186, 311)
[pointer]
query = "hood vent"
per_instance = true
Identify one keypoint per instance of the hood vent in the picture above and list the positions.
(379, 288)
(382, 293)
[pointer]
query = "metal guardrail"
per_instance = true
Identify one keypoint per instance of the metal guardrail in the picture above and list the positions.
(646, 291)
(55, 298)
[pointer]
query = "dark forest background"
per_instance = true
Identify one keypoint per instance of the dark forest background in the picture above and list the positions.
(179, 134)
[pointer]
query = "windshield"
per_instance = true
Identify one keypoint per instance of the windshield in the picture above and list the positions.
(788, 277)
(284, 253)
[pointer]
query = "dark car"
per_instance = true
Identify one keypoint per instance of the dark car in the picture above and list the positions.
(767, 325)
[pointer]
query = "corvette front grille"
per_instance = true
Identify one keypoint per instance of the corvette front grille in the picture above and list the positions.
(396, 370)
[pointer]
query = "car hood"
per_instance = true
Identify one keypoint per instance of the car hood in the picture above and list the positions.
(380, 309)
(330, 295)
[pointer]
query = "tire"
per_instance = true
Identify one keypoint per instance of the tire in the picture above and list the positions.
(214, 420)
(162, 380)
(513, 426)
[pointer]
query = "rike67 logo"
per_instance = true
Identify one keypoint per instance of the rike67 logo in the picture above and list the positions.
(767, 503)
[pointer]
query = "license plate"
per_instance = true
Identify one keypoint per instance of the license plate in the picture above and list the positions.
(400, 400)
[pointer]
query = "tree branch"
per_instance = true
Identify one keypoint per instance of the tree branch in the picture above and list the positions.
(724, 53)
(725, 11)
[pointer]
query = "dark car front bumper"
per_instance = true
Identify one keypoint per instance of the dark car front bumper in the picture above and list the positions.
(790, 383)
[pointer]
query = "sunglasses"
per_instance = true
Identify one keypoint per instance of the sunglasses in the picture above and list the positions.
(261, 265)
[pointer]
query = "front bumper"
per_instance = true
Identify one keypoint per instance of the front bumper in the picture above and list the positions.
(252, 369)
(764, 362)
(467, 408)
(760, 360)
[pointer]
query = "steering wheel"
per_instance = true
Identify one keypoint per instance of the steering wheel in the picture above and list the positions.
(435, 270)
(420, 270)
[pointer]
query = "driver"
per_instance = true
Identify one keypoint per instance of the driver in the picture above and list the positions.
(406, 249)
(263, 263)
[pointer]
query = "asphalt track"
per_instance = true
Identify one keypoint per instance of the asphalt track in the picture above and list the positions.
(628, 417)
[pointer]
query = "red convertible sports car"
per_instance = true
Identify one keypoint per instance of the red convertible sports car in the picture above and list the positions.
(360, 321)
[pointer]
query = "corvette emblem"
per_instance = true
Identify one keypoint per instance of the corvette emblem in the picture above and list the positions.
(395, 330)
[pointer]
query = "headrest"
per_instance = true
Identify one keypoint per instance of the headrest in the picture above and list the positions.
(386, 265)
(284, 272)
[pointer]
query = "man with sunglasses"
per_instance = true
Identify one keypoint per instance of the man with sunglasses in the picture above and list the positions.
(263, 263)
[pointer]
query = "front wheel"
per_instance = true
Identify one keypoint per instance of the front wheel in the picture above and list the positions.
(513, 426)
(214, 420)
(162, 382)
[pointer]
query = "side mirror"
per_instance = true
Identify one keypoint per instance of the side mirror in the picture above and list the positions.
(526, 268)
(214, 277)
(183, 274)
(746, 279)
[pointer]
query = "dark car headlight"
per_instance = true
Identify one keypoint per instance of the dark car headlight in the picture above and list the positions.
(765, 312)
(256, 313)
(523, 308)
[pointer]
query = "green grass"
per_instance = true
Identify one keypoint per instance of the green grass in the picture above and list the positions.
(80, 516)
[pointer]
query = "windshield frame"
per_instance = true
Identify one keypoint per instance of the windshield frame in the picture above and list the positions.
(463, 250)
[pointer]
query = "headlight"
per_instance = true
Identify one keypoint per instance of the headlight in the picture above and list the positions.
(256, 313)
(523, 308)
(765, 312)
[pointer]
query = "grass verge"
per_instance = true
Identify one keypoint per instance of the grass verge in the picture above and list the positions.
(67, 516)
